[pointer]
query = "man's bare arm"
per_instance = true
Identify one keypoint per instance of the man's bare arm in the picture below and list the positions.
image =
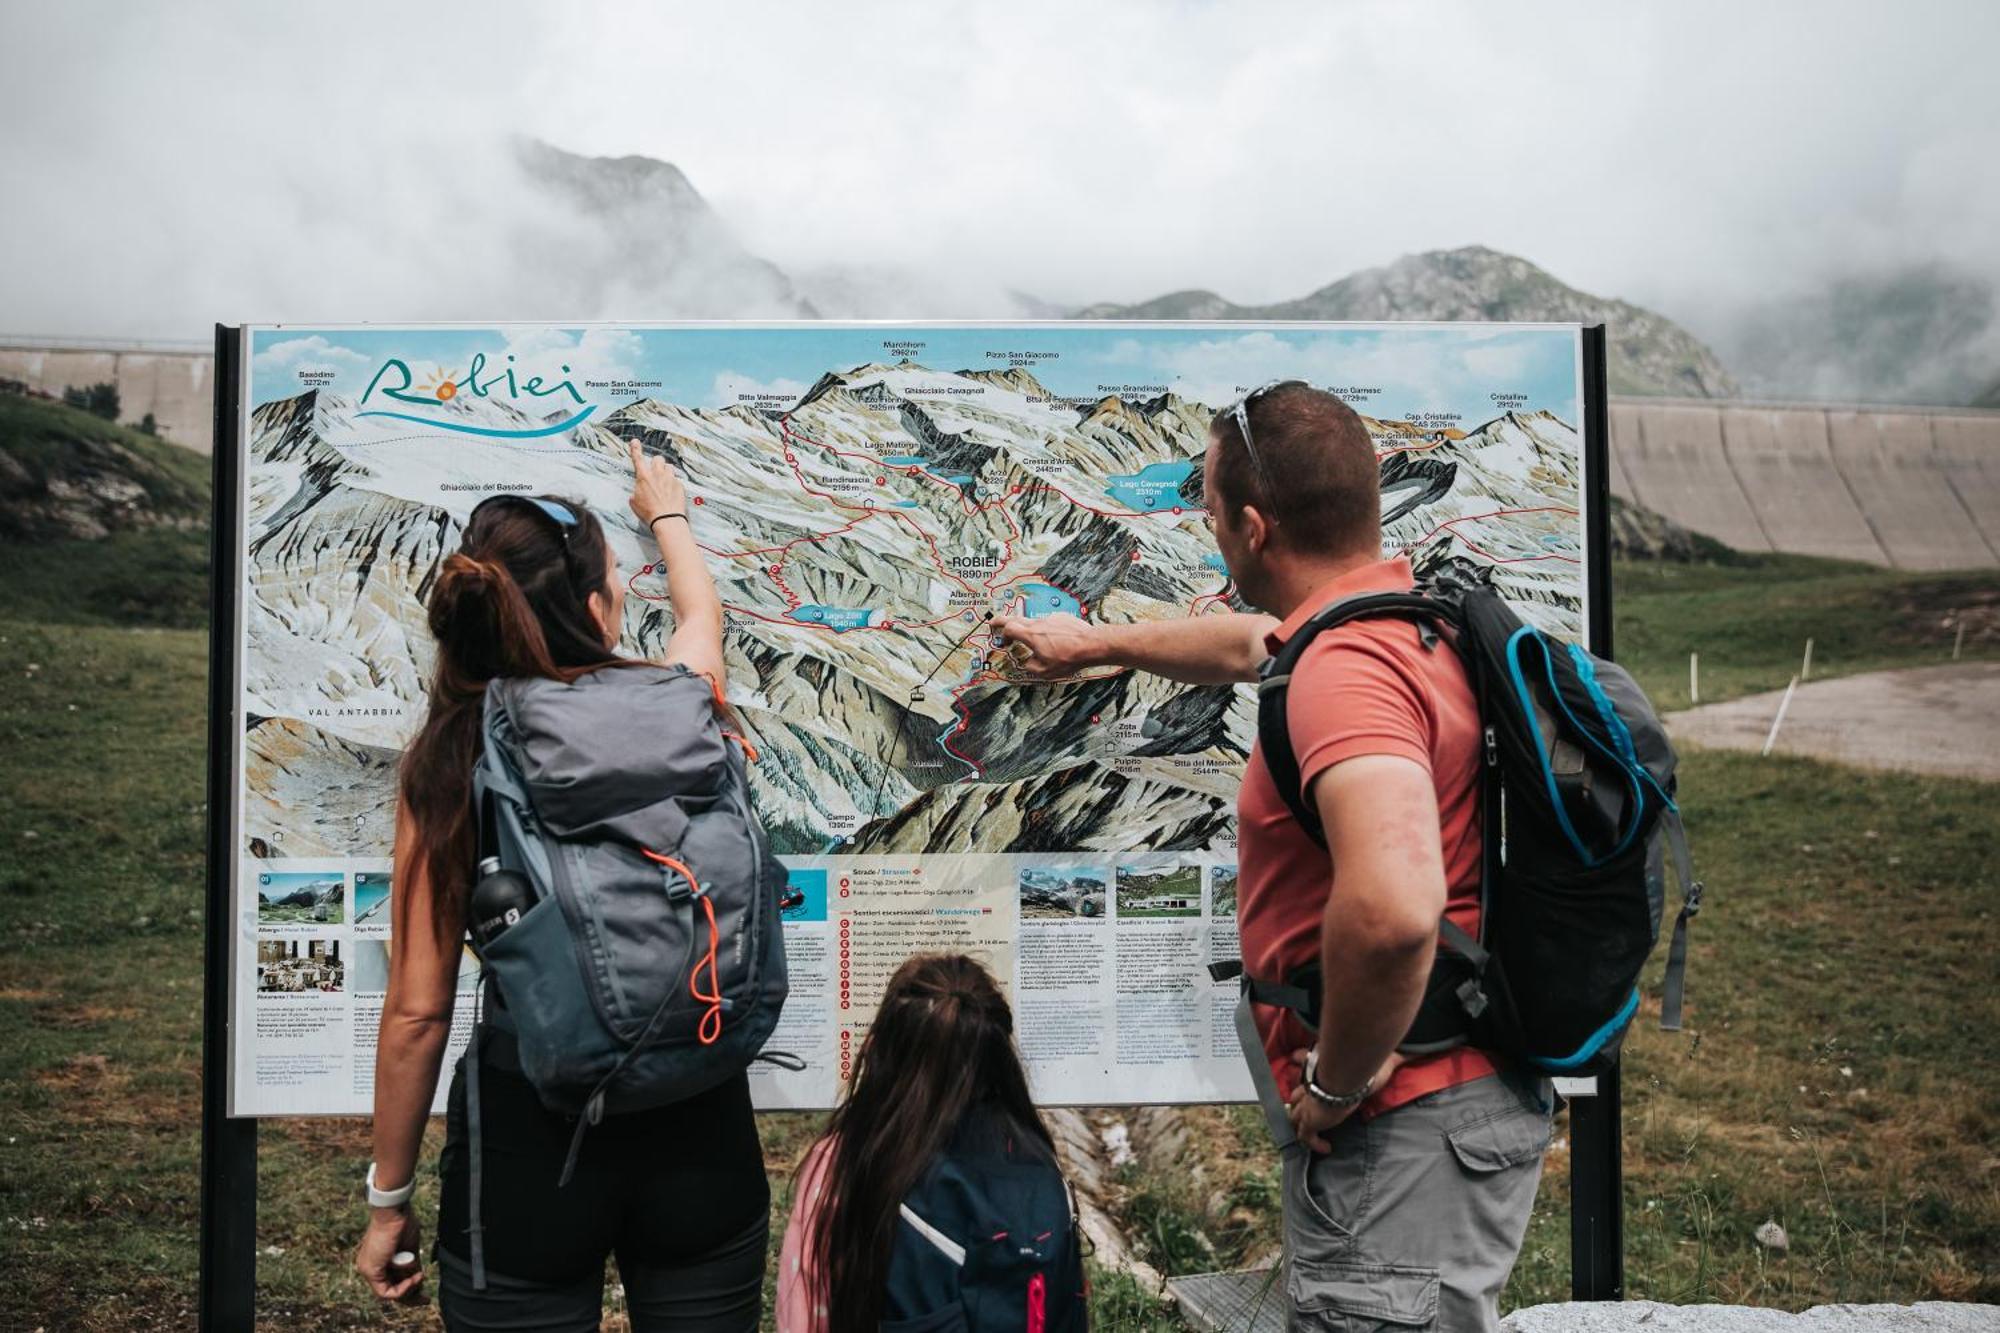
(1380, 931)
(1198, 650)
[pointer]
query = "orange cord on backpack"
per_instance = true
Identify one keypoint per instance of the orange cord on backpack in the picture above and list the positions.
(711, 1020)
(728, 714)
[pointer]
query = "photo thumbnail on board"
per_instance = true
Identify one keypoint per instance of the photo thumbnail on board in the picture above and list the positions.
(301, 897)
(1159, 889)
(1222, 890)
(369, 974)
(300, 965)
(371, 898)
(1062, 893)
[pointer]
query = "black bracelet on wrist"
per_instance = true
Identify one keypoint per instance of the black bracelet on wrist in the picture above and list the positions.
(671, 514)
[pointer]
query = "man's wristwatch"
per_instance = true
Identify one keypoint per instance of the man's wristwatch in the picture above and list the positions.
(380, 1198)
(1339, 1101)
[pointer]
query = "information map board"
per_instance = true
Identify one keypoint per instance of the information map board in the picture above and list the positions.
(867, 495)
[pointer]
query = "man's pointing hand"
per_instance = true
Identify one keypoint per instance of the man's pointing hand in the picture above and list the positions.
(1050, 647)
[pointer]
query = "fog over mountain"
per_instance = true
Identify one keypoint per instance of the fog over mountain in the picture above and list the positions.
(1922, 334)
(1759, 175)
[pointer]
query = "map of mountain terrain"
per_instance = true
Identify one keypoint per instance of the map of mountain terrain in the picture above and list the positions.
(862, 531)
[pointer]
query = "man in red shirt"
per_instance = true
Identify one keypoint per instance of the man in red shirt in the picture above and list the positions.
(1407, 1183)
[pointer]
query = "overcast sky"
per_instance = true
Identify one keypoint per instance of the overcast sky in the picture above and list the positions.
(166, 166)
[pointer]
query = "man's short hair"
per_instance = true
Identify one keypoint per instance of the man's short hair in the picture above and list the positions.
(1324, 485)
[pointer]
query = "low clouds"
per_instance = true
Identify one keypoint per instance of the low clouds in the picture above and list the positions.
(171, 166)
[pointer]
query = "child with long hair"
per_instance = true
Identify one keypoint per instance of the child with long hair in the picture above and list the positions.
(933, 1201)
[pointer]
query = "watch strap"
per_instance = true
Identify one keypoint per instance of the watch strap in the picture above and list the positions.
(1340, 1101)
(396, 1198)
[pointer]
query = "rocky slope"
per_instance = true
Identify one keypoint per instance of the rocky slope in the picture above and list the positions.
(1649, 354)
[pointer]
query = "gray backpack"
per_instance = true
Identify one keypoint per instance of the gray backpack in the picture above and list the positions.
(651, 964)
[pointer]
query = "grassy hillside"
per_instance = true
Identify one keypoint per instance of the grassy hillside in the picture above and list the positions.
(65, 472)
(1841, 1073)
(1750, 619)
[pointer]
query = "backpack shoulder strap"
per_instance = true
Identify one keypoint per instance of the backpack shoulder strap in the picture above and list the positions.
(1674, 986)
(942, 1243)
(1274, 733)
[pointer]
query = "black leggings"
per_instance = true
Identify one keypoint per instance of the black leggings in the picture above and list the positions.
(678, 1194)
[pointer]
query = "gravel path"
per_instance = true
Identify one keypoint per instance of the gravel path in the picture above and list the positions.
(1943, 719)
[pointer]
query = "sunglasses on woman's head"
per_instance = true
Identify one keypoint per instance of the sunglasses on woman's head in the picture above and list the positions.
(564, 517)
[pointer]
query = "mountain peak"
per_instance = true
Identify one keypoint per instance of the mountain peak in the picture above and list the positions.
(638, 230)
(1649, 353)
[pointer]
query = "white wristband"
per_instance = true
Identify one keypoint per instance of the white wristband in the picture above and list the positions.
(380, 1198)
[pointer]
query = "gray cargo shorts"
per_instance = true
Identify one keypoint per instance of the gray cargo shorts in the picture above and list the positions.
(1414, 1220)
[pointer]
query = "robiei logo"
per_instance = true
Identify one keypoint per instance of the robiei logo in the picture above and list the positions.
(443, 386)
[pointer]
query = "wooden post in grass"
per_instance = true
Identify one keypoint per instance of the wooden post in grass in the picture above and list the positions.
(1779, 720)
(1958, 641)
(1805, 667)
(1694, 678)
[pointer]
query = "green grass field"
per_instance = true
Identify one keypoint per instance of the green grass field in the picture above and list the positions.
(1840, 1074)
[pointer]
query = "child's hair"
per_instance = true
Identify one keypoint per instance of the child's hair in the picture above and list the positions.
(940, 1047)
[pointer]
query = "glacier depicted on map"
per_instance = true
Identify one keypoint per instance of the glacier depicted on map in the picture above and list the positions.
(868, 497)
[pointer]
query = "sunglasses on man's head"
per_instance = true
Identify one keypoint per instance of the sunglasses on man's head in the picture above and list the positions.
(1240, 414)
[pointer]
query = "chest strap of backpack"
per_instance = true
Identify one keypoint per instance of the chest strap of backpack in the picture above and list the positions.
(1455, 995)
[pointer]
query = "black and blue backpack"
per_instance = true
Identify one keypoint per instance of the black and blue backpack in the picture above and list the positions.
(988, 1242)
(1579, 818)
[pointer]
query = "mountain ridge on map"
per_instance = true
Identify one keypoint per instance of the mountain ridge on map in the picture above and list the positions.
(895, 507)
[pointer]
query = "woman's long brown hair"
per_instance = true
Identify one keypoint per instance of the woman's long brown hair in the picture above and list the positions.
(513, 600)
(940, 1047)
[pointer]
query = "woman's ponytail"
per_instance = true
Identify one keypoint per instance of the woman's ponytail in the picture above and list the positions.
(483, 625)
(513, 601)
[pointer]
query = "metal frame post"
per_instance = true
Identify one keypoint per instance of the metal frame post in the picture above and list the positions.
(226, 1296)
(1596, 1132)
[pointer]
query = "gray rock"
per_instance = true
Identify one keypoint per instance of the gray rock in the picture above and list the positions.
(1653, 1317)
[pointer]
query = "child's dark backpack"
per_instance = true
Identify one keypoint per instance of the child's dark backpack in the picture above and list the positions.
(1579, 815)
(988, 1243)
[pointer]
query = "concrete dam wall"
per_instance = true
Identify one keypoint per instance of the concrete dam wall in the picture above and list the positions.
(1910, 487)
(174, 382)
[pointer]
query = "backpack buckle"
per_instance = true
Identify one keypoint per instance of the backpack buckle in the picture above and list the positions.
(1691, 904)
(678, 891)
(1472, 997)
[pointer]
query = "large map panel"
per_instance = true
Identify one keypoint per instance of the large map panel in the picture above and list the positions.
(867, 496)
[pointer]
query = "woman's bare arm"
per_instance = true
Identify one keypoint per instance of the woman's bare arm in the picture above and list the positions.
(697, 639)
(416, 1023)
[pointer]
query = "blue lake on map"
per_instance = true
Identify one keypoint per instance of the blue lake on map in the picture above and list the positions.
(1040, 599)
(836, 618)
(905, 460)
(1215, 562)
(1152, 488)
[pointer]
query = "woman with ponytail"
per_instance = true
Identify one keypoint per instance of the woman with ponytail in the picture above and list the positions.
(678, 1193)
(933, 1202)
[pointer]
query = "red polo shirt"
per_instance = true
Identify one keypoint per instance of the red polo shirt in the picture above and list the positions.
(1368, 687)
